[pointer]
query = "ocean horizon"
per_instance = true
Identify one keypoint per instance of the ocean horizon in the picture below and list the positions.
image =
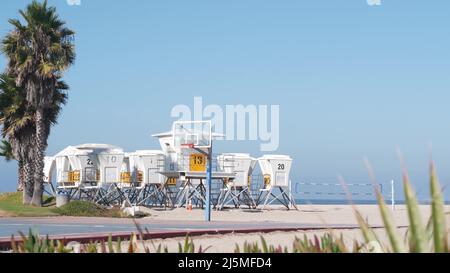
(300, 201)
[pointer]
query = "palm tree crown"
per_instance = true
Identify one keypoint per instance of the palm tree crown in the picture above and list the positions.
(39, 51)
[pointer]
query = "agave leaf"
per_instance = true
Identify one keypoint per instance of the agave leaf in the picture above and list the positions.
(50, 246)
(186, 245)
(265, 249)
(429, 229)
(438, 213)
(14, 247)
(417, 230)
(110, 245)
(389, 225)
(369, 235)
(206, 249)
(132, 248)
(317, 244)
(386, 215)
(119, 245)
(158, 250)
(237, 249)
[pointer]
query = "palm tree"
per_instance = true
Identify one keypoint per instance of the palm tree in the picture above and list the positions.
(39, 52)
(6, 151)
(18, 126)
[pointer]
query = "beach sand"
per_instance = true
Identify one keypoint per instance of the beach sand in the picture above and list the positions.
(308, 214)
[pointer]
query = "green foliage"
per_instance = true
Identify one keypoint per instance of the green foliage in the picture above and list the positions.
(6, 150)
(252, 248)
(11, 203)
(324, 244)
(33, 243)
(439, 223)
(432, 238)
(189, 247)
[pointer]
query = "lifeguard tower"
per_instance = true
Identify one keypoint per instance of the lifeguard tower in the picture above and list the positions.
(188, 149)
(89, 171)
(276, 171)
(236, 190)
(49, 169)
(148, 168)
(68, 173)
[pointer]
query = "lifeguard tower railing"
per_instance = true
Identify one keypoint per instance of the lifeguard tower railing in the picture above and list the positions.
(222, 170)
(72, 179)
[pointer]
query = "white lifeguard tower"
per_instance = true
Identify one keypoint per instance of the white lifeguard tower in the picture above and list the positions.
(86, 169)
(237, 189)
(68, 176)
(188, 152)
(109, 160)
(276, 170)
(149, 166)
(49, 169)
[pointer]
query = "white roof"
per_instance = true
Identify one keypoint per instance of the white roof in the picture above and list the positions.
(86, 149)
(279, 157)
(70, 151)
(149, 152)
(237, 155)
(100, 148)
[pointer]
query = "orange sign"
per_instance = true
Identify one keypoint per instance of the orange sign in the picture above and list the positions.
(197, 163)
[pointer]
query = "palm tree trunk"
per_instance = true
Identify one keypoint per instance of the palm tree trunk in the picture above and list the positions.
(21, 176)
(28, 182)
(39, 158)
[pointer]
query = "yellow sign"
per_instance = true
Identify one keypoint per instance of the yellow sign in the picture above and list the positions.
(74, 176)
(172, 181)
(197, 163)
(226, 181)
(125, 177)
(140, 176)
(267, 180)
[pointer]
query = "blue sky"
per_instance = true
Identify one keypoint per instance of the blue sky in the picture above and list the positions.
(352, 80)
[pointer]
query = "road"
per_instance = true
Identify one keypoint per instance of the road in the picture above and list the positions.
(66, 226)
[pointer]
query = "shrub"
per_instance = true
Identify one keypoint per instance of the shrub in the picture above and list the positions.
(87, 209)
